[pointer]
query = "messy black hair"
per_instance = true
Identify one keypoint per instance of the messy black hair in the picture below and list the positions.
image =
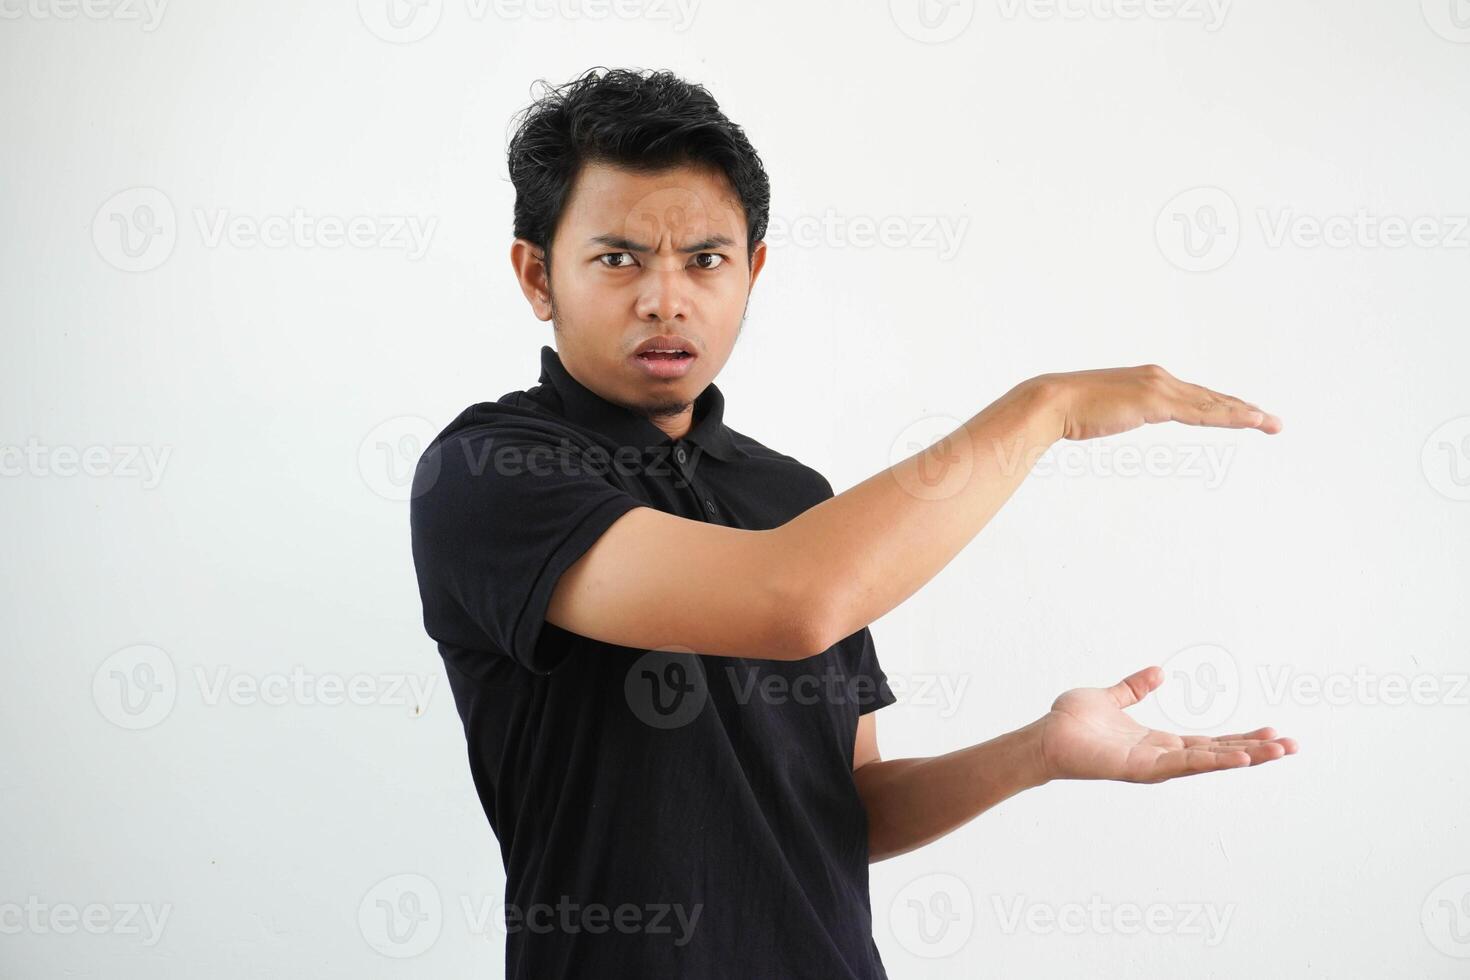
(641, 120)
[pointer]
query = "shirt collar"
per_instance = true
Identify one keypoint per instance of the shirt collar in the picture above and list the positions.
(590, 410)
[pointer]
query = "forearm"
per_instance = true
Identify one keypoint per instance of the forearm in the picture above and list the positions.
(912, 802)
(859, 554)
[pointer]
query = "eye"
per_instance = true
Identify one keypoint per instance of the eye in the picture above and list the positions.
(604, 257)
(719, 259)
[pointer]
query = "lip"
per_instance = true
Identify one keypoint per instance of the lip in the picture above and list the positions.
(666, 341)
(665, 369)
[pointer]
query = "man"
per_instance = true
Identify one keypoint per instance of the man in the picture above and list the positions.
(656, 628)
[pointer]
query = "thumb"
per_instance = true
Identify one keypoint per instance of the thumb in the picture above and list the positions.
(1136, 686)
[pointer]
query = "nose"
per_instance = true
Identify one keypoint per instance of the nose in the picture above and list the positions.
(663, 295)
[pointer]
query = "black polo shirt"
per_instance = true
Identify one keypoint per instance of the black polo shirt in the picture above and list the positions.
(660, 813)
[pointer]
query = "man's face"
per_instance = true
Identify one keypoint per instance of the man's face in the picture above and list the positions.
(638, 256)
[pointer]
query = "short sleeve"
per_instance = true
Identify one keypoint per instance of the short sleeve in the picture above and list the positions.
(498, 512)
(872, 691)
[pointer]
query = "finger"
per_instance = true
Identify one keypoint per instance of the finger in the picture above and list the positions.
(1258, 735)
(1189, 762)
(1198, 759)
(1136, 686)
(1197, 405)
(1265, 421)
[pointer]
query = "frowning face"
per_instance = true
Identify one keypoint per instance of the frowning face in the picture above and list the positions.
(648, 284)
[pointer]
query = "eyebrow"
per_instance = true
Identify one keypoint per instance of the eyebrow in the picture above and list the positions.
(628, 245)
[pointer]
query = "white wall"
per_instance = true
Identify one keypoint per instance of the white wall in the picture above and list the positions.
(260, 530)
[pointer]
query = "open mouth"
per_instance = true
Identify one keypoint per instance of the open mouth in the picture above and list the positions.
(665, 355)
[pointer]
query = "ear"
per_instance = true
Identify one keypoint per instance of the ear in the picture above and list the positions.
(757, 261)
(529, 263)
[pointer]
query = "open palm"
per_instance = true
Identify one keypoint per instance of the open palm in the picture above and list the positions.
(1087, 735)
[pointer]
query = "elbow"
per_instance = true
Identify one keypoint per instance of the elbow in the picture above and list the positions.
(803, 624)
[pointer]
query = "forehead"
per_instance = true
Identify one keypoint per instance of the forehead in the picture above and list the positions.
(680, 203)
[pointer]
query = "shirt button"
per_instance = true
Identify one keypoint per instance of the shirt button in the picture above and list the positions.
(709, 507)
(680, 454)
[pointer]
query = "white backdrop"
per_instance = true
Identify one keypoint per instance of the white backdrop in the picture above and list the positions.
(253, 254)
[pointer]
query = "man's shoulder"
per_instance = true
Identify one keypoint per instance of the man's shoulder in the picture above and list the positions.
(783, 466)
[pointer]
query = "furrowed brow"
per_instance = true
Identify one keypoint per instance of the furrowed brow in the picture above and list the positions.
(628, 245)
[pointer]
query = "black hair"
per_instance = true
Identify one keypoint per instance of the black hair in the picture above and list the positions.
(642, 120)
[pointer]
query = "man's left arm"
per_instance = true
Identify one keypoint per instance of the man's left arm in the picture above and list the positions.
(1085, 735)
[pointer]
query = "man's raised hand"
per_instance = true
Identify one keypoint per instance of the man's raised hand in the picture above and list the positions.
(1091, 404)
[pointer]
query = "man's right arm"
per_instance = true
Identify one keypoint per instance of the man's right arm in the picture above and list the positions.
(653, 580)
